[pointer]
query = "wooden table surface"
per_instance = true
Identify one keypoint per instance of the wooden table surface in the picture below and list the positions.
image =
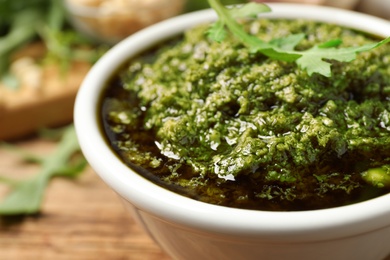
(80, 219)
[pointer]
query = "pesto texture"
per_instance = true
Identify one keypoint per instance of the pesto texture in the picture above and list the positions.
(218, 123)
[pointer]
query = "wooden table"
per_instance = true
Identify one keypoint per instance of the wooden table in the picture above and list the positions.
(80, 219)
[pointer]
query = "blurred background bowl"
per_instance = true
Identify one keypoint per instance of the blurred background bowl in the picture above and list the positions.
(379, 8)
(110, 21)
(345, 4)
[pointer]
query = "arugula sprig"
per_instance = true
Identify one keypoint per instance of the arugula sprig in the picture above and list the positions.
(26, 195)
(22, 22)
(313, 60)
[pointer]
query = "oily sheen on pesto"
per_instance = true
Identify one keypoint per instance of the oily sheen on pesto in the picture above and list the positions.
(222, 125)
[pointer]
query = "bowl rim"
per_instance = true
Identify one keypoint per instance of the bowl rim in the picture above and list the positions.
(313, 225)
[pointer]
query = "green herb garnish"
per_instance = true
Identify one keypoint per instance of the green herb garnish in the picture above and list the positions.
(26, 196)
(313, 60)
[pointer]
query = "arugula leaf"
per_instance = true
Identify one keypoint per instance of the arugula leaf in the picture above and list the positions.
(217, 31)
(226, 19)
(26, 156)
(20, 32)
(26, 195)
(249, 10)
(23, 21)
(314, 60)
(288, 43)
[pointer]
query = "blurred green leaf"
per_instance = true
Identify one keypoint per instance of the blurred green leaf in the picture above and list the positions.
(26, 196)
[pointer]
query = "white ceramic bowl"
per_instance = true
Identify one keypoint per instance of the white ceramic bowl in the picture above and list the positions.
(188, 229)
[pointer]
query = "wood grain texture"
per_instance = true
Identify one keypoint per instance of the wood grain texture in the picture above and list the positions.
(80, 219)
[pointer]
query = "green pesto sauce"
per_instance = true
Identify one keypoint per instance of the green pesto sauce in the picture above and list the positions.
(219, 124)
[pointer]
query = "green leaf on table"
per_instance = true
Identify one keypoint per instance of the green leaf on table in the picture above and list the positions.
(26, 196)
(23, 22)
(23, 154)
